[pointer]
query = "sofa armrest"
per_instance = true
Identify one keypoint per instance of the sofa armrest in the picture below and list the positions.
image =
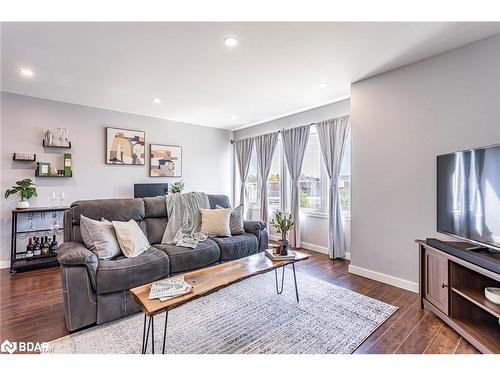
(258, 229)
(251, 226)
(75, 254)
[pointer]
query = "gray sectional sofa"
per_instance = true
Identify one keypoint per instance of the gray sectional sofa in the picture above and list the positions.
(97, 291)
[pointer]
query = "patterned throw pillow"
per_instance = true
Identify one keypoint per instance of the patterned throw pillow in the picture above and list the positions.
(99, 237)
(236, 220)
(131, 238)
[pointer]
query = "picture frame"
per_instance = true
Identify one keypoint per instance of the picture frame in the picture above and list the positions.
(165, 160)
(42, 169)
(125, 146)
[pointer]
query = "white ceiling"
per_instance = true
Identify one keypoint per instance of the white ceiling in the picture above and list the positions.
(274, 71)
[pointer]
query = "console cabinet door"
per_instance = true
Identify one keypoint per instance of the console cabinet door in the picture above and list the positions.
(436, 279)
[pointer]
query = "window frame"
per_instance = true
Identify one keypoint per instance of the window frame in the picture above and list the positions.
(285, 186)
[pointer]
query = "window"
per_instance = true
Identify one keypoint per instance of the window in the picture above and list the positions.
(274, 180)
(252, 182)
(313, 182)
(345, 182)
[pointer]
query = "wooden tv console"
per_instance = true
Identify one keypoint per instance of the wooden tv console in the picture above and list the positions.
(453, 289)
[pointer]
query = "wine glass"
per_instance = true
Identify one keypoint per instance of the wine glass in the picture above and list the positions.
(52, 198)
(62, 197)
(29, 226)
(55, 225)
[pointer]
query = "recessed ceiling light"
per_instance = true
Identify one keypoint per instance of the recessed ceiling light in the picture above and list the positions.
(234, 117)
(156, 100)
(26, 72)
(323, 84)
(231, 41)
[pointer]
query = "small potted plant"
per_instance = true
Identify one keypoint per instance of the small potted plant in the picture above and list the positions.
(26, 190)
(177, 187)
(282, 223)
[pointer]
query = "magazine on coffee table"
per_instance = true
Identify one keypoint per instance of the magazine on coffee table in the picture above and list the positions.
(270, 254)
(169, 288)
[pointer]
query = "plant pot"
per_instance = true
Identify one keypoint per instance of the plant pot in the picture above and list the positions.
(22, 205)
(283, 247)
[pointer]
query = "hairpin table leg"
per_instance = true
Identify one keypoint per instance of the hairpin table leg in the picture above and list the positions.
(145, 334)
(295, 281)
(152, 335)
(165, 332)
(278, 289)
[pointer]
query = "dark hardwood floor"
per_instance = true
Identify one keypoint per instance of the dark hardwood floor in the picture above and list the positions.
(31, 309)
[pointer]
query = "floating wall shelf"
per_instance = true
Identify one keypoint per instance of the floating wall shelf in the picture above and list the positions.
(55, 146)
(16, 157)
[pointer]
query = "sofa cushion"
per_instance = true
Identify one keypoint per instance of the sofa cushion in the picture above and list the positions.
(155, 227)
(124, 273)
(185, 259)
(236, 247)
(218, 200)
(119, 209)
(155, 206)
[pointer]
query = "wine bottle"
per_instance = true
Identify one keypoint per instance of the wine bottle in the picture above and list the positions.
(54, 245)
(45, 246)
(37, 249)
(29, 248)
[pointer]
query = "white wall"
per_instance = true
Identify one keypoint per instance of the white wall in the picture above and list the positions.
(314, 228)
(207, 153)
(325, 112)
(400, 121)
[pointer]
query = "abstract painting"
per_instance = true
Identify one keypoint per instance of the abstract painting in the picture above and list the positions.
(165, 161)
(125, 147)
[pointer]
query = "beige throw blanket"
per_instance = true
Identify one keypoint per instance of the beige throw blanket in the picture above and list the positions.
(184, 219)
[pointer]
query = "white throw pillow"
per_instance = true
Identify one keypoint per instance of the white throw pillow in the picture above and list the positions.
(215, 223)
(236, 223)
(99, 237)
(131, 238)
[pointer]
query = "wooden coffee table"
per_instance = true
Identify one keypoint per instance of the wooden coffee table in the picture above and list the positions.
(206, 281)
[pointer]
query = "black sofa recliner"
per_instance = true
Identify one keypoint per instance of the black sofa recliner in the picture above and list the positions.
(97, 291)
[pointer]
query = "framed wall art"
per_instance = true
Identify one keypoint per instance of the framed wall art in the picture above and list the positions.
(165, 161)
(125, 146)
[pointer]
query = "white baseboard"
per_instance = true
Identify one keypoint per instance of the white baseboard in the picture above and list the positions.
(319, 249)
(384, 278)
(310, 246)
(4, 264)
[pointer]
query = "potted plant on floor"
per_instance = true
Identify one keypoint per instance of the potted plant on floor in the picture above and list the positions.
(26, 190)
(282, 223)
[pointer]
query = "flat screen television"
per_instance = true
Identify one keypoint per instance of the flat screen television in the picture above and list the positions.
(468, 195)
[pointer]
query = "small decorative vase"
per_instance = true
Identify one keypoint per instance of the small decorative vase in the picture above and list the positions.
(283, 247)
(22, 205)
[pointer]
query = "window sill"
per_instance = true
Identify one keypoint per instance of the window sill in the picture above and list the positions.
(317, 214)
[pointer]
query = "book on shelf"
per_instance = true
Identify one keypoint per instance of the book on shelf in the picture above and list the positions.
(169, 288)
(270, 254)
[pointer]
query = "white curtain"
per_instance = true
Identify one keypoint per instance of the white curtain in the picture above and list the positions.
(264, 146)
(333, 135)
(243, 153)
(294, 147)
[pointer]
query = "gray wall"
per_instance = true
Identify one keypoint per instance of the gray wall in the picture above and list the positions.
(207, 153)
(400, 121)
(314, 228)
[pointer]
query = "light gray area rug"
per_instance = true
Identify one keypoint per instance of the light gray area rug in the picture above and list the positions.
(248, 317)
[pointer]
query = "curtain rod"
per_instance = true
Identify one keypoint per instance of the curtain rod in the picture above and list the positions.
(279, 131)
